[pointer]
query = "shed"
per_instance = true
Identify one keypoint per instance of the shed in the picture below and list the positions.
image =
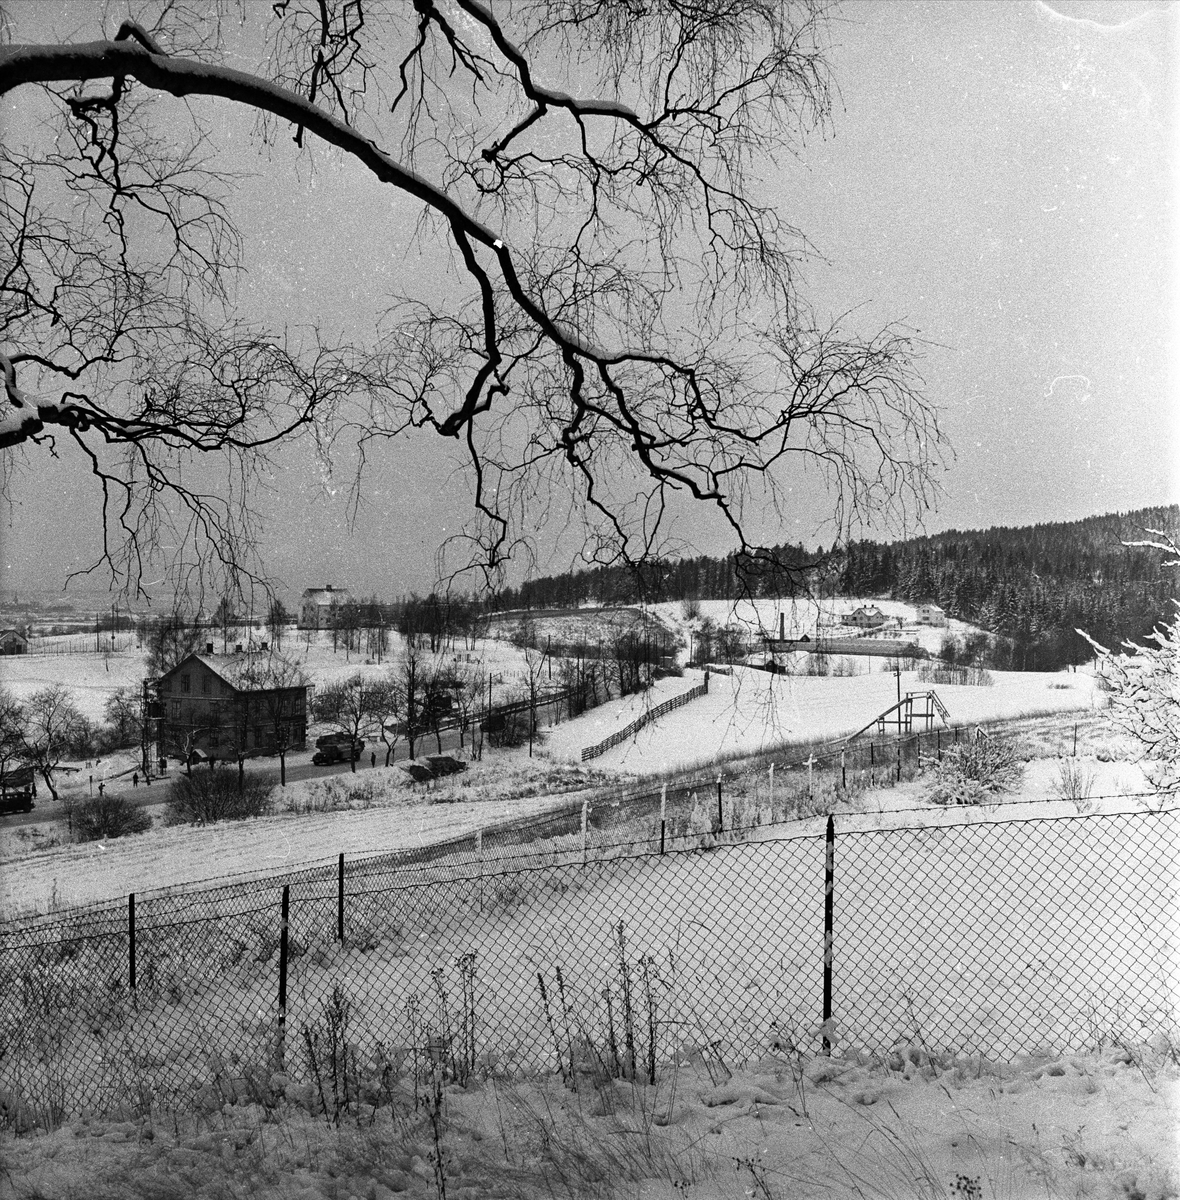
(12, 641)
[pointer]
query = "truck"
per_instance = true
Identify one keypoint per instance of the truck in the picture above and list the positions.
(17, 790)
(336, 747)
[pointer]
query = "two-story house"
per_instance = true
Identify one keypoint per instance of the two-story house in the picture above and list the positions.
(231, 706)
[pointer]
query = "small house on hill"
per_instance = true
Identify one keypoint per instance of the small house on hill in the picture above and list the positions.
(319, 607)
(931, 614)
(12, 641)
(868, 617)
(232, 706)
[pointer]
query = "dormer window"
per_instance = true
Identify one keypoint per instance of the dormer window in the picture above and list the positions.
(186, 683)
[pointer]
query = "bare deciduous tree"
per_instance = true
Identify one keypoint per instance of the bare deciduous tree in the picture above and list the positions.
(618, 325)
(52, 729)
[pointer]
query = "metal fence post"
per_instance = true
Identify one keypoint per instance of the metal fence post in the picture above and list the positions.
(280, 1048)
(1075, 740)
(340, 900)
(663, 814)
(720, 814)
(585, 823)
(843, 773)
(938, 743)
(131, 940)
(899, 760)
(829, 906)
(772, 791)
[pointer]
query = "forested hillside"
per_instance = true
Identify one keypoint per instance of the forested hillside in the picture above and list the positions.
(1034, 585)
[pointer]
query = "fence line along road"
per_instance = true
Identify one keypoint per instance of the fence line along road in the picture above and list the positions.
(737, 796)
(1044, 935)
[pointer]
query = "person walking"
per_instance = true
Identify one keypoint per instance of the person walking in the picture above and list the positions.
(373, 759)
(135, 779)
(102, 787)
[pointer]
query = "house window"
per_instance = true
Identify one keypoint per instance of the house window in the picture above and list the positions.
(186, 683)
(176, 710)
(215, 736)
(298, 702)
(205, 682)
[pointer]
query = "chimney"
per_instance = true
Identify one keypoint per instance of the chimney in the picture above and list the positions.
(238, 648)
(208, 647)
(782, 627)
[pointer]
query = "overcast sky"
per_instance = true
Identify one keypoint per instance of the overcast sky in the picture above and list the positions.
(1000, 176)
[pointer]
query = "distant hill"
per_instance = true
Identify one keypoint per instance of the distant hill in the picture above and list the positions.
(1033, 585)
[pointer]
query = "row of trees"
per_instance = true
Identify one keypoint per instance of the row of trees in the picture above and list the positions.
(47, 729)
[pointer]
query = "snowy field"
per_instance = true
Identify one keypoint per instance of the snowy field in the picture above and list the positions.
(927, 1092)
(752, 710)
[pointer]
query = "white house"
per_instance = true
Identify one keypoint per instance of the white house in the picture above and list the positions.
(931, 614)
(318, 606)
(870, 617)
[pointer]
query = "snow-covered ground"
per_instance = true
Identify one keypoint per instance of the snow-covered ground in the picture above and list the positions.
(750, 710)
(1100, 1126)
(741, 921)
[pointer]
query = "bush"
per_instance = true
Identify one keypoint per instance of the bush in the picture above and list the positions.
(219, 795)
(968, 774)
(104, 817)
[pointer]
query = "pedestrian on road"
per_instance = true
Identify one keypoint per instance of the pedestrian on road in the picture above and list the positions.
(92, 785)
(373, 759)
(135, 779)
(102, 787)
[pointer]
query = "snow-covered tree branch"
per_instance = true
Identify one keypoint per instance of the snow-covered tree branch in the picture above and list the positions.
(1144, 684)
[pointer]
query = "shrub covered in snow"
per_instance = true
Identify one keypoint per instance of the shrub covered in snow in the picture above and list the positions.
(974, 771)
(219, 795)
(103, 817)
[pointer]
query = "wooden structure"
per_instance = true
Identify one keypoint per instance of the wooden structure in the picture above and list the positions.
(234, 706)
(914, 709)
(12, 641)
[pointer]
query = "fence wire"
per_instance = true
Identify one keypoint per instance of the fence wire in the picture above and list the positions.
(994, 938)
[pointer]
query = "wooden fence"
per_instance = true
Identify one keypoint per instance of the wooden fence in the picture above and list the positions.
(623, 734)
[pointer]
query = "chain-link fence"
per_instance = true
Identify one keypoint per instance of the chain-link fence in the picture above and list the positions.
(684, 813)
(961, 937)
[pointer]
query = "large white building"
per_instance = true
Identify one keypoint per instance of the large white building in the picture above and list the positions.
(318, 606)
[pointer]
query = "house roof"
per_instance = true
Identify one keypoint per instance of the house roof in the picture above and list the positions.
(325, 595)
(13, 633)
(258, 672)
(933, 607)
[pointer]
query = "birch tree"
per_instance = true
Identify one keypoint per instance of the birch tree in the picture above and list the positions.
(619, 329)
